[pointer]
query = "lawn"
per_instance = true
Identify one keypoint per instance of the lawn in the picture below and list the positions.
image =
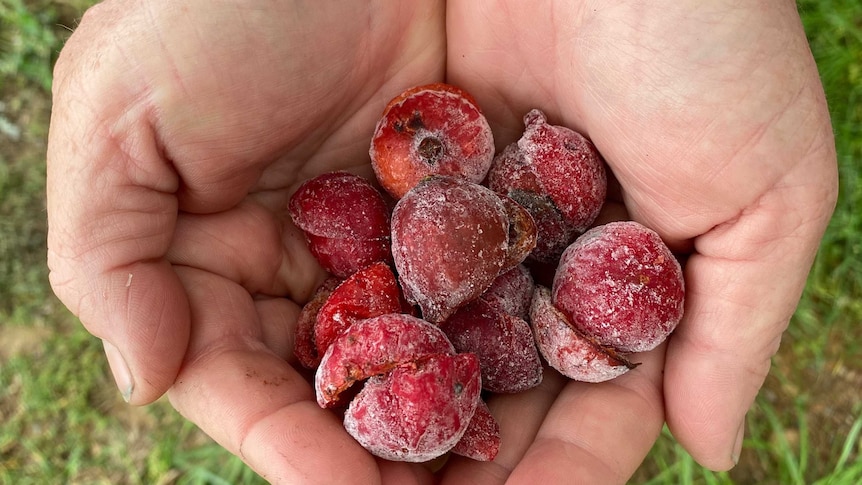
(62, 420)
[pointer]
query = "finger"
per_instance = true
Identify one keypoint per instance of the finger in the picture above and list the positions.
(598, 433)
(251, 401)
(519, 416)
(742, 286)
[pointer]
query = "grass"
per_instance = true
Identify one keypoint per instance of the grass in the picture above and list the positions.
(65, 423)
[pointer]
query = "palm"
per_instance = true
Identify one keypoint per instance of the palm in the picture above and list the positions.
(227, 107)
(698, 111)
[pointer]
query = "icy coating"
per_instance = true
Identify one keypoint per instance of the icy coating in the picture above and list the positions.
(340, 205)
(416, 413)
(433, 129)
(372, 347)
(449, 243)
(568, 166)
(571, 353)
(620, 284)
(558, 176)
(511, 292)
(504, 344)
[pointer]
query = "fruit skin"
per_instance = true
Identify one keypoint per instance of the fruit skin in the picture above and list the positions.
(481, 440)
(620, 284)
(432, 129)
(504, 344)
(304, 347)
(573, 354)
(345, 221)
(450, 240)
(375, 346)
(416, 412)
(511, 292)
(558, 176)
(369, 292)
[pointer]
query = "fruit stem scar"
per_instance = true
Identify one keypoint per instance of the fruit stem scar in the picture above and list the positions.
(431, 150)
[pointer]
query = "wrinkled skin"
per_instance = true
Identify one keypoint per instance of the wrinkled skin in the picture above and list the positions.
(180, 129)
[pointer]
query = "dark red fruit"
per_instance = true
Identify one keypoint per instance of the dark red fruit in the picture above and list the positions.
(304, 348)
(504, 344)
(621, 285)
(416, 412)
(481, 441)
(370, 292)
(573, 354)
(374, 347)
(450, 240)
(345, 221)
(558, 176)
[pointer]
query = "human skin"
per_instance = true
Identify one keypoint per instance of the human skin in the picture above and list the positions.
(180, 129)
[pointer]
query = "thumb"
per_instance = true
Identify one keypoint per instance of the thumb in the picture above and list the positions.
(742, 286)
(111, 213)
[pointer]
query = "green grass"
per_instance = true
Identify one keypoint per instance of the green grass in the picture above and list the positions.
(62, 421)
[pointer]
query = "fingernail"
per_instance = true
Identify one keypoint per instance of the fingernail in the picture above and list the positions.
(737, 445)
(120, 370)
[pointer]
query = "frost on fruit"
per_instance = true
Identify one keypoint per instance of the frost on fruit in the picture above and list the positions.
(449, 242)
(374, 347)
(558, 176)
(620, 284)
(418, 412)
(433, 129)
(504, 344)
(511, 292)
(566, 349)
(345, 221)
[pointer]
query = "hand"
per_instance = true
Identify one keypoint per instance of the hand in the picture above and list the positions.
(712, 117)
(180, 129)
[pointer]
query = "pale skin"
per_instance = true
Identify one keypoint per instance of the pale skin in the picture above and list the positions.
(180, 129)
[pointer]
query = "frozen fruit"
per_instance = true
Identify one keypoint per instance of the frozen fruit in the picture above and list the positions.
(558, 176)
(621, 285)
(511, 292)
(432, 129)
(345, 221)
(481, 440)
(370, 292)
(450, 240)
(573, 354)
(504, 344)
(373, 347)
(416, 412)
(303, 347)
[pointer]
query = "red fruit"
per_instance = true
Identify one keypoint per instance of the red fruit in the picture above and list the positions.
(416, 412)
(303, 347)
(511, 292)
(374, 347)
(504, 344)
(558, 176)
(433, 129)
(621, 285)
(345, 220)
(566, 349)
(370, 292)
(450, 240)
(481, 441)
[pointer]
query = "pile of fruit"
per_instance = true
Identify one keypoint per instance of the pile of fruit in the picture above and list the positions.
(433, 299)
